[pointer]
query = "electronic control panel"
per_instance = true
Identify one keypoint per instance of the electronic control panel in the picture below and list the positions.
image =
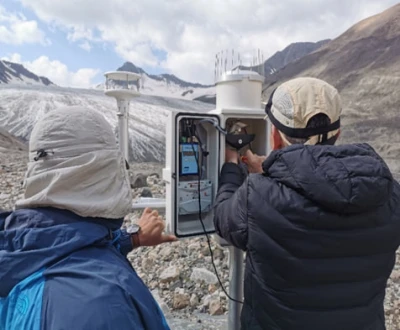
(188, 194)
(195, 154)
(191, 174)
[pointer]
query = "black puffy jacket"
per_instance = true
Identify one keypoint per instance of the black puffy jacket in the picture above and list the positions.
(321, 227)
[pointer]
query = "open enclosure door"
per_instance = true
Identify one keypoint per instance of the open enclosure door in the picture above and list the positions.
(191, 172)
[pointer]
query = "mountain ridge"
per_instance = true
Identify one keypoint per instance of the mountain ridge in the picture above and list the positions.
(291, 54)
(11, 72)
(130, 67)
(165, 84)
(363, 63)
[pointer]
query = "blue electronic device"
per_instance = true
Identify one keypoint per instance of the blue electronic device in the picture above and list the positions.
(189, 158)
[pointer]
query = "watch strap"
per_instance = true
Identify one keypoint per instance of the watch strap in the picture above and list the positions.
(135, 240)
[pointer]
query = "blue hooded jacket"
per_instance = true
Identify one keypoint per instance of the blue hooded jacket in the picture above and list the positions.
(61, 271)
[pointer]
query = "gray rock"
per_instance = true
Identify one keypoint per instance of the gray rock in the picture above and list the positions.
(147, 264)
(202, 274)
(194, 300)
(174, 285)
(153, 179)
(181, 300)
(205, 251)
(138, 181)
(395, 276)
(206, 300)
(146, 192)
(4, 196)
(218, 253)
(166, 253)
(153, 255)
(170, 274)
(212, 288)
(216, 307)
(193, 246)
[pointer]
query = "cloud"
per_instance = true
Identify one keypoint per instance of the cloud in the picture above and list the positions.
(192, 32)
(57, 71)
(15, 29)
(86, 46)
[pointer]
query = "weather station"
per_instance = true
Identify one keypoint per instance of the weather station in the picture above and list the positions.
(122, 85)
(195, 149)
(195, 153)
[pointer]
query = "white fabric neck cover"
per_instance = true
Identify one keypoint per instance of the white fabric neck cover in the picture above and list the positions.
(83, 171)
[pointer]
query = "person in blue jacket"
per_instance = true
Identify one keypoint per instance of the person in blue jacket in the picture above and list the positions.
(63, 254)
(320, 222)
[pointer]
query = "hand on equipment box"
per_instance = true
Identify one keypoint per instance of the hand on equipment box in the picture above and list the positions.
(253, 162)
(231, 156)
(151, 229)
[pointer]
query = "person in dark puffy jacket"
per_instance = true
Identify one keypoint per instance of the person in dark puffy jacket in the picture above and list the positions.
(63, 253)
(320, 223)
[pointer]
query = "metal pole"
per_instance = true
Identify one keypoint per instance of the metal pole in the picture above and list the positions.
(123, 135)
(235, 287)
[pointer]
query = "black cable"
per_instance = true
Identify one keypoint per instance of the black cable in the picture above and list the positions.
(204, 227)
(215, 124)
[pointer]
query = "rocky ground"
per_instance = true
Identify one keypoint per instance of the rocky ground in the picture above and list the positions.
(180, 274)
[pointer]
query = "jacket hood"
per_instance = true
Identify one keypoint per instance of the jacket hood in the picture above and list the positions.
(34, 239)
(344, 179)
(75, 164)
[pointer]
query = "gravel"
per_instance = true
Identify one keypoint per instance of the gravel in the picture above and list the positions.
(179, 274)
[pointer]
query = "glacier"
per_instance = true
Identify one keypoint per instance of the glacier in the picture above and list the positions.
(22, 106)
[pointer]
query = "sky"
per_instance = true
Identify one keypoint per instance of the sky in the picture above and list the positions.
(73, 42)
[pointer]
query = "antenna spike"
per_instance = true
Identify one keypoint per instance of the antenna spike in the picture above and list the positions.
(262, 64)
(218, 69)
(215, 68)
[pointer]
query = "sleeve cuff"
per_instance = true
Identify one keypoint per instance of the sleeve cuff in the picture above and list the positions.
(3, 216)
(125, 243)
(231, 173)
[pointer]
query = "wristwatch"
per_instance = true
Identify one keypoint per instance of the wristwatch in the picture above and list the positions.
(134, 230)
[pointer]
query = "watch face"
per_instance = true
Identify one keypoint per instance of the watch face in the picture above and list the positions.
(133, 229)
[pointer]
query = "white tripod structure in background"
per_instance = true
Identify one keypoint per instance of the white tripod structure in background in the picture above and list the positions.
(122, 86)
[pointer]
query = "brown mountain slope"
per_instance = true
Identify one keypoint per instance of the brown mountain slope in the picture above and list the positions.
(364, 64)
(9, 143)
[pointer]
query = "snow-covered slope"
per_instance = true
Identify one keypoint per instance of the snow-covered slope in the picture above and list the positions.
(14, 73)
(22, 106)
(166, 85)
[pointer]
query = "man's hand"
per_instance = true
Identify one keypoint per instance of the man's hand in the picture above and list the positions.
(231, 156)
(151, 229)
(253, 162)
